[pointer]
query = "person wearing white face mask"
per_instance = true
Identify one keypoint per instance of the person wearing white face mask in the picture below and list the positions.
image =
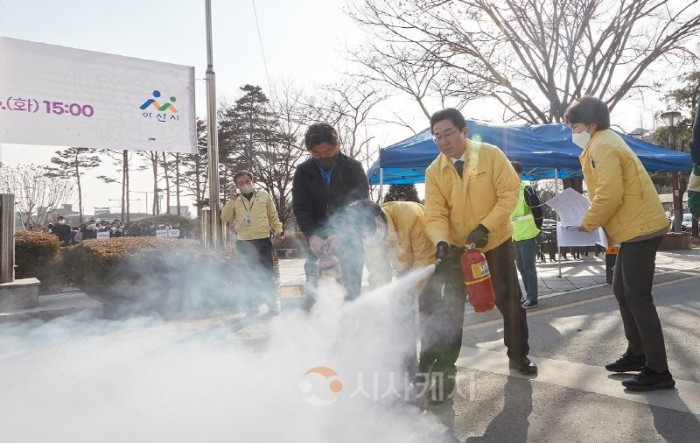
(625, 203)
(254, 216)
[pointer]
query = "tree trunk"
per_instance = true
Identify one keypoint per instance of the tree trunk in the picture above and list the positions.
(125, 196)
(177, 182)
(167, 184)
(154, 166)
(127, 188)
(80, 190)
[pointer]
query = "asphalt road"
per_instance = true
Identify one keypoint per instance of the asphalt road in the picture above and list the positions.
(573, 398)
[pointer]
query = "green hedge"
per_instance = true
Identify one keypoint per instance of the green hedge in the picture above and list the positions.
(37, 255)
(147, 274)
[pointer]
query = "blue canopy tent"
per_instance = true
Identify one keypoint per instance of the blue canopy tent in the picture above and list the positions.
(543, 150)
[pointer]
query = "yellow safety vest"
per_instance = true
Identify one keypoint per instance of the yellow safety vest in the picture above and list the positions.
(524, 227)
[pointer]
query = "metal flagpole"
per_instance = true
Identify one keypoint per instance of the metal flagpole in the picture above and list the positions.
(212, 139)
(556, 191)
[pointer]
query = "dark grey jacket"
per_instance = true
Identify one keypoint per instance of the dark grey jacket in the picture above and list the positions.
(314, 204)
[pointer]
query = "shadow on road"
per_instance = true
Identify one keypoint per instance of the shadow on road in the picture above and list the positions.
(512, 423)
(675, 426)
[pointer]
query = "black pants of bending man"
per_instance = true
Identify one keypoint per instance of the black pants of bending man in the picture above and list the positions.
(442, 311)
(632, 282)
(258, 274)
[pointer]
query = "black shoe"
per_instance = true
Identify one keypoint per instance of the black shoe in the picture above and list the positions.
(527, 304)
(523, 365)
(627, 363)
(649, 380)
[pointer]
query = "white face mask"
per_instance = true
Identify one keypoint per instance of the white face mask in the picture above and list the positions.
(246, 189)
(581, 139)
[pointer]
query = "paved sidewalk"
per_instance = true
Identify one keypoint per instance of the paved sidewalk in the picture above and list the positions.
(586, 272)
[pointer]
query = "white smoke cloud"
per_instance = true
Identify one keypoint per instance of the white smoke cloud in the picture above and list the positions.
(82, 379)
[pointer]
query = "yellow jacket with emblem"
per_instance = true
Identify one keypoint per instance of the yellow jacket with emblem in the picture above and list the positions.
(623, 198)
(486, 194)
(407, 245)
(262, 212)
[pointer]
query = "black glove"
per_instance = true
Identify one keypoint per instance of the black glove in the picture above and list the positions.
(479, 236)
(441, 254)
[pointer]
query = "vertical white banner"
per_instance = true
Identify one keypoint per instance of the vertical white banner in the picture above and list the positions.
(53, 95)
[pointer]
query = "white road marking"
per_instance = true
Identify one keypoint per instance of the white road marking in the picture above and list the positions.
(594, 379)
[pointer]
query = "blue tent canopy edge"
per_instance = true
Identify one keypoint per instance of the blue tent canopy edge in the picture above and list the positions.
(539, 148)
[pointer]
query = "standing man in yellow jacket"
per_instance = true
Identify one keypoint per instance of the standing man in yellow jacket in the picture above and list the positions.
(625, 203)
(527, 220)
(254, 216)
(470, 193)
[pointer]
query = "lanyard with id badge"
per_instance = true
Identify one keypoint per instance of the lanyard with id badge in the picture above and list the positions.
(248, 220)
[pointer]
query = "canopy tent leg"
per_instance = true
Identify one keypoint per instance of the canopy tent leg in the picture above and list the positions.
(381, 184)
(556, 191)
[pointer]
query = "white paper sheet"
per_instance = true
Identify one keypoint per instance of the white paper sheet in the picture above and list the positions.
(571, 236)
(570, 205)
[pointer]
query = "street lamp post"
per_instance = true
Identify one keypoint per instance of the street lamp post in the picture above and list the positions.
(141, 192)
(671, 118)
(212, 139)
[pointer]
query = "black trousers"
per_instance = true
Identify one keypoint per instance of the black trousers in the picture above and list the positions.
(258, 272)
(441, 309)
(632, 283)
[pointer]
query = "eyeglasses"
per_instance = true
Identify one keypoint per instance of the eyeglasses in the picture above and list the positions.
(444, 136)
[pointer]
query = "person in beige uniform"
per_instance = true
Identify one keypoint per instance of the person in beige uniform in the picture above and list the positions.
(625, 203)
(254, 217)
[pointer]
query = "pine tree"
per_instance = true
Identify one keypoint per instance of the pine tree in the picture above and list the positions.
(407, 192)
(247, 131)
(71, 163)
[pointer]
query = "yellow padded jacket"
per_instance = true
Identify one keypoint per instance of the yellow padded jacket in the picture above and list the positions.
(486, 194)
(623, 198)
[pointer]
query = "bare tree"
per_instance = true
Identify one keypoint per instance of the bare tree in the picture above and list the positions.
(195, 173)
(282, 157)
(34, 190)
(347, 106)
(415, 73)
(535, 56)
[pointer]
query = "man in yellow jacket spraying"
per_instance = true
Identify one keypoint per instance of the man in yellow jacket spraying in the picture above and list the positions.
(394, 237)
(470, 193)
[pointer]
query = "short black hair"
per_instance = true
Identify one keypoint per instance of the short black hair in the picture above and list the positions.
(517, 166)
(449, 113)
(363, 213)
(587, 110)
(320, 133)
(240, 174)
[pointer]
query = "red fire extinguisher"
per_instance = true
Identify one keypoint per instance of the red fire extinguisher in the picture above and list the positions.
(477, 278)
